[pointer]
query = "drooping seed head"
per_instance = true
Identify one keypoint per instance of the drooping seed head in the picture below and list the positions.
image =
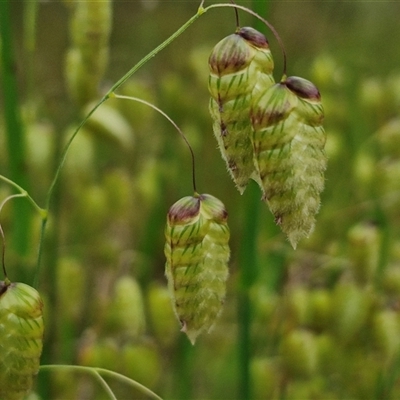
(197, 256)
(21, 338)
(240, 66)
(289, 144)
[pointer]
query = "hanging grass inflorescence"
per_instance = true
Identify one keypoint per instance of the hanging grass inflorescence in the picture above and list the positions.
(197, 254)
(240, 65)
(21, 338)
(271, 133)
(289, 142)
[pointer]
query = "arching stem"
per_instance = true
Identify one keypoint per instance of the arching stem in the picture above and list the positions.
(236, 16)
(172, 122)
(3, 253)
(97, 372)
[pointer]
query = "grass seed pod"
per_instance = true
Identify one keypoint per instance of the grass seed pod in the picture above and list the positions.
(386, 329)
(21, 339)
(289, 150)
(299, 353)
(126, 313)
(197, 254)
(364, 247)
(309, 160)
(240, 64)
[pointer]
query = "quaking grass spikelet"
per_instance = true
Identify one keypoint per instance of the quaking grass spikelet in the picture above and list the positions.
(240, 65)
(21, 338)
(289, 144)
(197, 254)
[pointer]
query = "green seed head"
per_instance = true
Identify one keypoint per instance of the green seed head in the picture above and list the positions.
(386, 330)
(240, 65)
(289, 150)
(197, 256)
(21, 339)
(299, 353)
(126, 312)
(364, 247)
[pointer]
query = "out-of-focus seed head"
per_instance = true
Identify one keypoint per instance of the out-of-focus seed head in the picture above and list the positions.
(364, 245)
(299, 353)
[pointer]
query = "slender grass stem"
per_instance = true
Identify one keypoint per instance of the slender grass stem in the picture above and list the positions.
(96, 372)
(42, 212)
(30, 19)
(105, 386)
(248, 273)
(174, 124)
(14, 129)
(3, 254)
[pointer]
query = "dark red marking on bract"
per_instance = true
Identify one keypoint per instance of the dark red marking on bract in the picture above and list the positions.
(303, 88)
(181, 212)
(255, 38)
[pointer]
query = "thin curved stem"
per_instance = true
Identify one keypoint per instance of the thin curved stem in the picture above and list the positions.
(3, 254)
(105, 372)
(236, 16)
(105, 386)
(271, 27)
(43, 214)
(173, 123)
(24, 193)
(114, 88)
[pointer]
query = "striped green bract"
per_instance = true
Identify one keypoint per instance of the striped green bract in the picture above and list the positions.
(21, 339)
(197, 254)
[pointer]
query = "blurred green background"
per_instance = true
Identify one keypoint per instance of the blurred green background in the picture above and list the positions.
(321, 322)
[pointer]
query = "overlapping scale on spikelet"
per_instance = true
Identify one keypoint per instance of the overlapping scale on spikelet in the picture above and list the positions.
(21, 339)
(289, 144)
(240, 66)
(197, 254)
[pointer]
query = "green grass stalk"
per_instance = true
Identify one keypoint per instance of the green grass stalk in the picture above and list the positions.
(30, 19)
(14, 132)
(248, 264)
